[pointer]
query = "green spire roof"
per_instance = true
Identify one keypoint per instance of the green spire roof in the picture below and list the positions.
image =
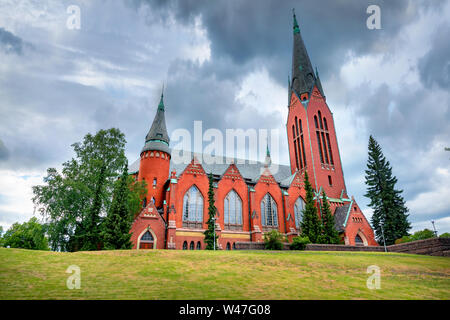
(302, 71)
(161, 102)
(157, 137)
(296, 28)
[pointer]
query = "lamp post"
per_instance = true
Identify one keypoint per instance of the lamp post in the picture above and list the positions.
(435, 232)
(384, 240)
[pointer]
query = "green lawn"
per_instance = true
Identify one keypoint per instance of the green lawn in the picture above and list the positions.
(167, 274)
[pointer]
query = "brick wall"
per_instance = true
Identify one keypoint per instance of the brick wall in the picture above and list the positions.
(432, 247)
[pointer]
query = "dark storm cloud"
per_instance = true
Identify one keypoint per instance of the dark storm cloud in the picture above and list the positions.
(243, 30)
(435, 65)
(209, 99)
(10, 43)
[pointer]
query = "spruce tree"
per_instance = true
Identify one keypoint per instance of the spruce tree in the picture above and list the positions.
(212, 210)
(310, 225)
(389, 209)
(329, 234)
(117, 223)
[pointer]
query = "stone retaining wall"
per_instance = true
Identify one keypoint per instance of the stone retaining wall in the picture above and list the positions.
(432, 247)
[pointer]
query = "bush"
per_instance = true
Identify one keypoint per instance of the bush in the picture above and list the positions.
(445, 235)
(299, 243)
(273, 240)
(418, 235)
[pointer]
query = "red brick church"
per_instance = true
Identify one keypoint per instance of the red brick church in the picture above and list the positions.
(250, 199)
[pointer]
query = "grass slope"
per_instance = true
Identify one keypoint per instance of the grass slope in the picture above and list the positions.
(167, 274)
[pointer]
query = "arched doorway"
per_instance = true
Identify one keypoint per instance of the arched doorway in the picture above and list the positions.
(228, 246)
(360, 239)
(185, 245)
(191, 246)
(199, 245)
(146, 241)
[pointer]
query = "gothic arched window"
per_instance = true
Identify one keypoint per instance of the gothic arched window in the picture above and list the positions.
(358, 240)
(193, 208)
(185, 245)
(147, 237)
(146, 241)
(269, 216)
(298, 211)
(191, 246)
(199, 246)
(320, 120)
(232, 211)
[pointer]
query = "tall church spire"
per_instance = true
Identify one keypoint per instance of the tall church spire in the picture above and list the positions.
(157, 137)
(302, 70)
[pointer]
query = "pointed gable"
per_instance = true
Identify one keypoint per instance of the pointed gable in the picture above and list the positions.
(232, 173)
(267, 177)
(194, 168)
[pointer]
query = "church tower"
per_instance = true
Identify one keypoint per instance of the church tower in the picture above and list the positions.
(155, 158)
(310, 126)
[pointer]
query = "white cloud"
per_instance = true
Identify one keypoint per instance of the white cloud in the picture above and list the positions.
(16, 194)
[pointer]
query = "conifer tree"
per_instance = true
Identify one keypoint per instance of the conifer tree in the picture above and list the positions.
(310, 225)
(117, 223)
(329, 235)
(389, 210)
(212, 210)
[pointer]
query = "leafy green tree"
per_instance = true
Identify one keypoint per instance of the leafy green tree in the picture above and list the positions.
(138, 190)
(418, 235)
(273, 240)
(445, 235)
(212, 211)
(329, 234)
(28, 235)
(116, 226)
(390, 212)
(74, 201)
(310, 225)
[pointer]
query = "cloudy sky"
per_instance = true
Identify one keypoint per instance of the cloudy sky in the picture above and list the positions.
(226, 63)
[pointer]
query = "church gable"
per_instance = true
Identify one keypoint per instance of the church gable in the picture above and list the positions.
(297, 181)
(232, 173)
(194, 168)
(316, 93)
(267, 177)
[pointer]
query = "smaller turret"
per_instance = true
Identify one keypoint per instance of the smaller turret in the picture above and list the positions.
(155, 158)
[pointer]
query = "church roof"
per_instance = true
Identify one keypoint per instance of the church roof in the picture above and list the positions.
(340, 216)
(157, 137)
(302, 71)
(250, 170)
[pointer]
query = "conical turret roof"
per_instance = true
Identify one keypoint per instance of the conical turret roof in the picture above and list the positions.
(157, 137)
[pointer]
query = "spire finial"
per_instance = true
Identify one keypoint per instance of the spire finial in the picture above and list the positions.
(296, 28)
(267, 150)
(161, 102)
